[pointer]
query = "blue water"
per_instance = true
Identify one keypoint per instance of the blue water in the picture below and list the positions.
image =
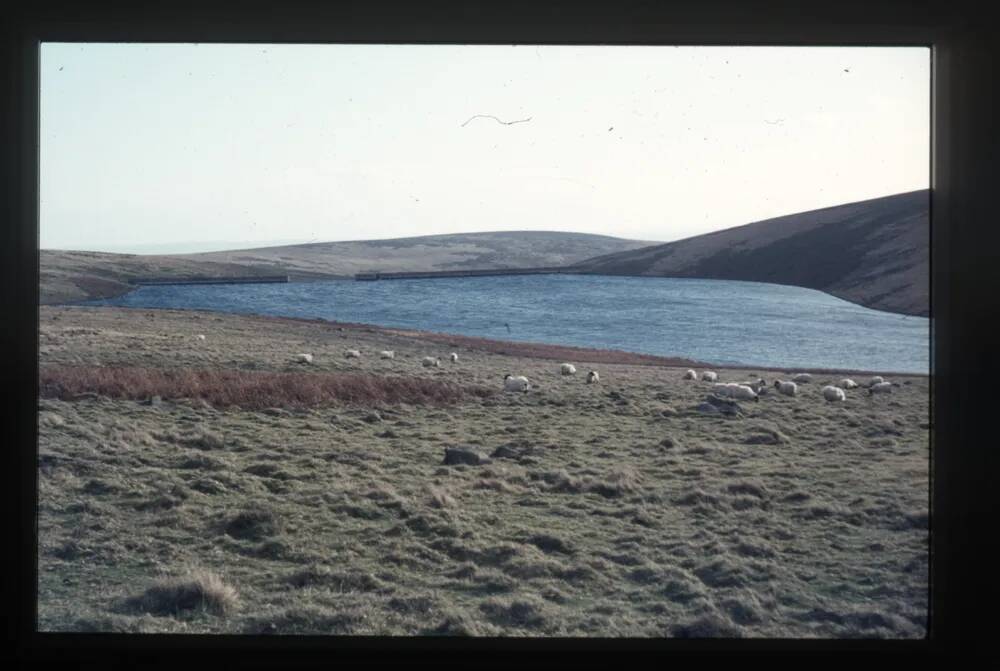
(721, 322)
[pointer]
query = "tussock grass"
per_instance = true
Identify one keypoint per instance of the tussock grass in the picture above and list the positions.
(251, 390)
(254, 524)
(196, 589)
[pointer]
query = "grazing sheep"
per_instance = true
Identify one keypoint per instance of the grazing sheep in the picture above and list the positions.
(786, 387)
(735, 390)
(431, 362)
(593, 377)
(690, 375)
(880, 388)
(832, 393)
(454, 357)
(709, 376)
(567, 369)
(847, 383)
(305, 358)
(519, 383)
(200, 336)
(802, 377)
(353, 354)
(755, 385)
(875, 380)
(387, 354)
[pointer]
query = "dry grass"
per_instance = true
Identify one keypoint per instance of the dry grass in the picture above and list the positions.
(600, 515)
(196, 589)
(250, 390)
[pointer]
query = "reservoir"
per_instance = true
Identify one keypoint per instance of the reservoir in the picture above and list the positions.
(716, 321)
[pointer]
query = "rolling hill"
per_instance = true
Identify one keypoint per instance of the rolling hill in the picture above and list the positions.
(873, 252)
(67, 276)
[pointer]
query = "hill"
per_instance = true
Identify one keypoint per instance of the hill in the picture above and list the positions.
(873, 252)
(75, 275)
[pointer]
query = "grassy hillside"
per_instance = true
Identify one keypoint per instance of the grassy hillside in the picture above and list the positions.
(74, 275)
(873, 252)
(506, 249)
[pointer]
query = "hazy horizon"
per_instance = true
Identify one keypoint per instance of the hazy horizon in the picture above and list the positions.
(152, 148)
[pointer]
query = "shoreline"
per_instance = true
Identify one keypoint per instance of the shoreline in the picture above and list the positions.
(345, 278)
(527, 349)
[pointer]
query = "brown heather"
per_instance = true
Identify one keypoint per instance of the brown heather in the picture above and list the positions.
(250, 390)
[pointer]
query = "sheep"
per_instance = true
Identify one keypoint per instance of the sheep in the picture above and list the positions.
(454, 357)
(387, 354)
(567, 369)
(709, 376)
(593, 377)
(832, 393)
(690, 375)
(880, 388)
(353, 354)
(802, 377)
(305, 358)
(786, 387)
(512, 383)
(755, 385)
(200, 336)
(721, 388)
(878, 379)
(847, 383)
(735, 390)
(431, 362)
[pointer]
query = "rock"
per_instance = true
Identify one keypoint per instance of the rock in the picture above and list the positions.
(153, 401)
(464, 455)
(373, 417)
(668, 412)
(725, 406)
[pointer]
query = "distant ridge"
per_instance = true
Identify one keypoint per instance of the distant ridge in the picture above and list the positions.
(873, 252)
(67, 276)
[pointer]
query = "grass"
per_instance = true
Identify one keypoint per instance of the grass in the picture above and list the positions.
(197, 589)
(250, 390)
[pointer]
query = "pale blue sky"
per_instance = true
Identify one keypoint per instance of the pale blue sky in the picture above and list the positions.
(150, 147)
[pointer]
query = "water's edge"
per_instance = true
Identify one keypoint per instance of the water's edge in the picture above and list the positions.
(628, 357)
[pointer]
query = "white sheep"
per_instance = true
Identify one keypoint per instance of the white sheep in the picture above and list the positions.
(593, 377)
(454, 357)
(431, 362)
(567, 369)
(786, 387)
(802, 377)
(709, 376)
(880, 388)
(200, 336)
(755, 385)
(735, 390)
(353, 354)
(847, 383)
(875, 380)
(690, 375)
(832, 393)
(387, 354)
(518, 383)
(305, 358)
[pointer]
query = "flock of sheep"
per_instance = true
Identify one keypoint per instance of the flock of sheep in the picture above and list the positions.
(751, 390)
(748, 390)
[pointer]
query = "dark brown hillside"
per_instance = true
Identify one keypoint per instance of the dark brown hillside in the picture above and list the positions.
(873, 252)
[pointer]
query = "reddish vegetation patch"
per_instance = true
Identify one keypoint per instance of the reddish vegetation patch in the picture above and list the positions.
(252, 390)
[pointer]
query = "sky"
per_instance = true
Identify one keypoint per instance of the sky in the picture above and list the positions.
(161, 148)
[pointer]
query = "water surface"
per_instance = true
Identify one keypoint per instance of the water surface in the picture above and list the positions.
(717, 321)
